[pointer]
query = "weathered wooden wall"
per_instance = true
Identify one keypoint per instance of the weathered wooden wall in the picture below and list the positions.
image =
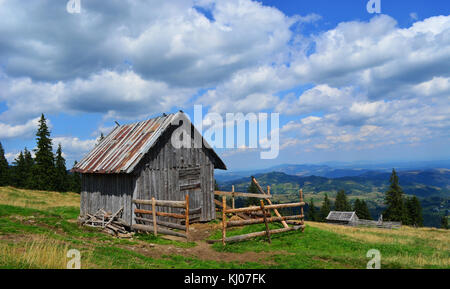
(157, 175)
(107, 191)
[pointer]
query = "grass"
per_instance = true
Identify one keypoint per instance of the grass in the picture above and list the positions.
(38, 228)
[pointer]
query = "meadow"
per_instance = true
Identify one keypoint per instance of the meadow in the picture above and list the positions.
(37, 228)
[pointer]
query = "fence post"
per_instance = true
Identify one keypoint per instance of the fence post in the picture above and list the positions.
(232, 201)
(224, 219)
(301, 211)
(155, 227)
(187, 216)
(265, 221)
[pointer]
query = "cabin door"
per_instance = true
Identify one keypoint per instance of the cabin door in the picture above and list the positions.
(190, 183)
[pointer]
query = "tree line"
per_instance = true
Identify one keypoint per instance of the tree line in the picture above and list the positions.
(45, 171)
(399, 208)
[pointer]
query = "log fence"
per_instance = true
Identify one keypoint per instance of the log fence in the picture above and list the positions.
(262, 210)
(157, 226)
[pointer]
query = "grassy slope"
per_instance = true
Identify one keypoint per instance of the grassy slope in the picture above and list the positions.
(37, 229)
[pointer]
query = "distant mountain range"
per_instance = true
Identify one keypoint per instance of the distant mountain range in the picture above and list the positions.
(335, 169)
(431, 185)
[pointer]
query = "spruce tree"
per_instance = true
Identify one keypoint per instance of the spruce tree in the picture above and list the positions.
(4, 168)
(252, 189)
(414, 208)
(61, 178)
(342, 204)
(444, 222)
(365, 211)
(76, 181)
(312, 214)
(28, 169)
(325, 209)
(396, 209)
(44, 170)
(361, 209)
(19, 173)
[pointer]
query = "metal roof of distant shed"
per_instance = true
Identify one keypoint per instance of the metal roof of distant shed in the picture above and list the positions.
(122, 149)
(341, 216)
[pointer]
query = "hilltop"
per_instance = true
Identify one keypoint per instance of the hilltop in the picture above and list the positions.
(38, 227)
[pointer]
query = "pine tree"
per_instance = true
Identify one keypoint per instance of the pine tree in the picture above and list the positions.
(312, 214)
(325, 209)
(61, 178)
(365, 211)
(414, 208)
(252, 189)
(4, 168)
(76, 181)
(396, 209)
(342, 204)
(361, 209)
(28, 169)
(44, 170)
(19, 172)
(444, 222)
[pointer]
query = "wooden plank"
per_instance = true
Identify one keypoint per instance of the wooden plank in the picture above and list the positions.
(162, 203)
(224, 219)
(253, 235)
(155, 226)
(238, 194)
(269, 207)
(187, 215)
(162, 214)
(145, 228)
(285, 225)
(265, 221)
(190, 187)
(162, 223)
(261, 220)
(301, 208)
(195, 211)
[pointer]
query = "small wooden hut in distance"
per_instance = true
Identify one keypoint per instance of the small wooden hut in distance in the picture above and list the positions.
(343, 218)
(139, 161)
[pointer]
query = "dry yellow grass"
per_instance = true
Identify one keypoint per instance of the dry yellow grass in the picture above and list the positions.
(38, 252)
(435, 238)
(37, 199)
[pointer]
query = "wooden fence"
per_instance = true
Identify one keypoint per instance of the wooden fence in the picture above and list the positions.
(157, 226)
(264, 212)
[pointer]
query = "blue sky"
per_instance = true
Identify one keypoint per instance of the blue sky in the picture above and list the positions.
(348, 85)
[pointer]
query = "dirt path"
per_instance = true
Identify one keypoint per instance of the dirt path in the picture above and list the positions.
(203, 250)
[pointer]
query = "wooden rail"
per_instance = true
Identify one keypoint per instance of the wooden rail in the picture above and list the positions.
(247, 195)
(262, 213)
(157, 225)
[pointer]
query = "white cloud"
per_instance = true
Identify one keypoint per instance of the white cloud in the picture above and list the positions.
(20, 130)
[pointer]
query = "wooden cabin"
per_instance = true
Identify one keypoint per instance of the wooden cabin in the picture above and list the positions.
(139, 161)
(343, 218)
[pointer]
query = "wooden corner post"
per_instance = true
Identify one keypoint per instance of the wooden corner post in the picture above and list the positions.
(265, 221)
(285, 225)
(224, 219)
(155, 226)
(232, 200)
(301, 210)
(187, 216)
